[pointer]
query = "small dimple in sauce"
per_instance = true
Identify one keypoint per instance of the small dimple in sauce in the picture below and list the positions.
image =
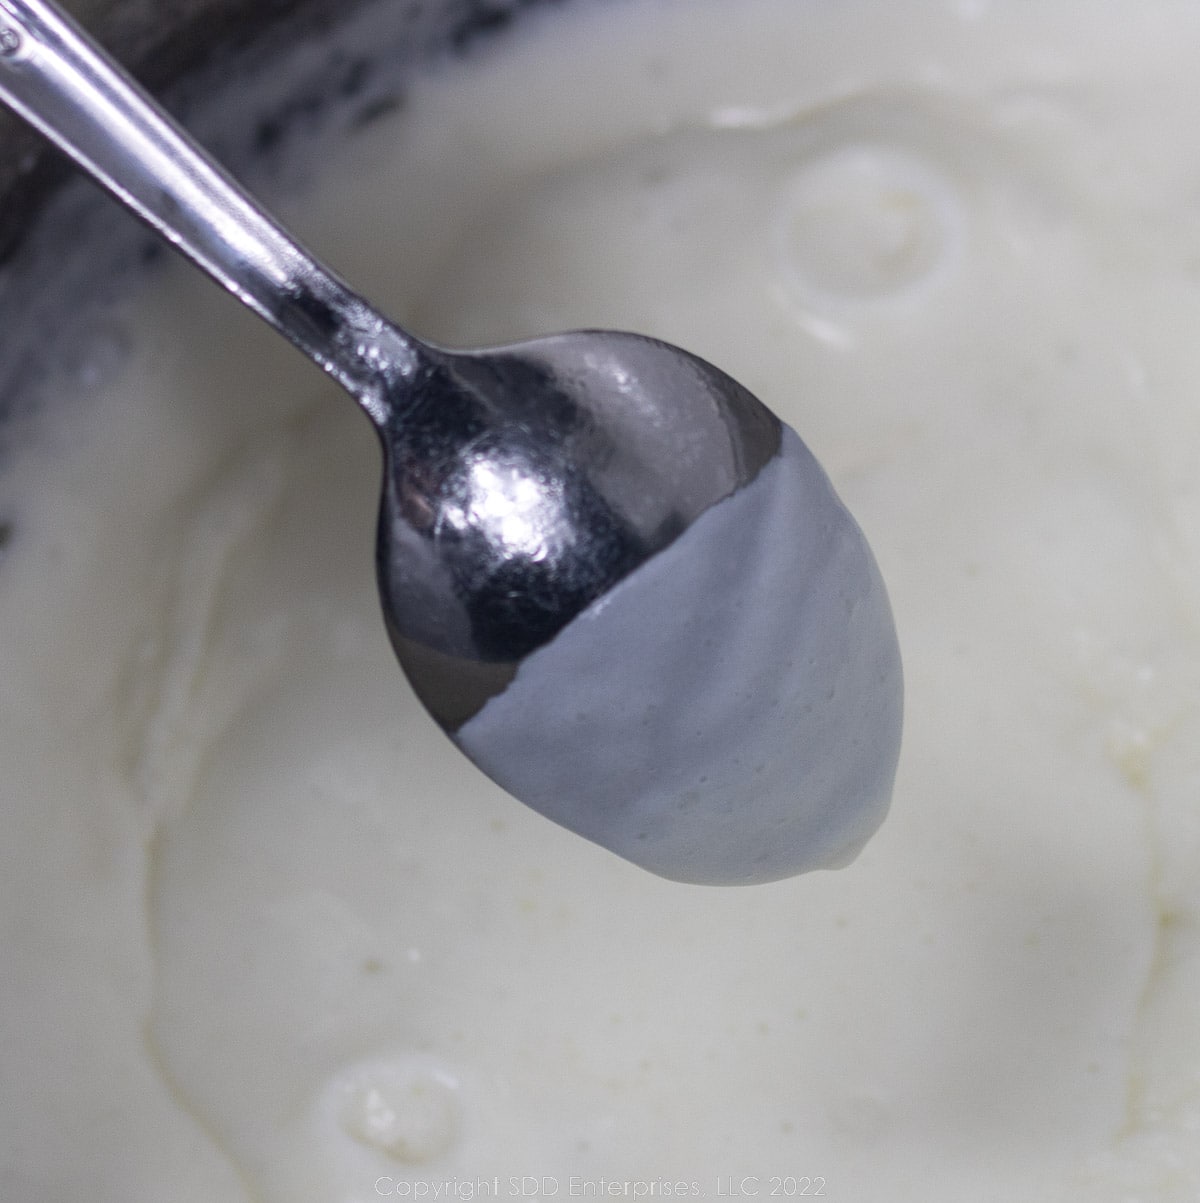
(273, 938)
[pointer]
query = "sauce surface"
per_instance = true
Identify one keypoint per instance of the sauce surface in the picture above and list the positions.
(269, 937)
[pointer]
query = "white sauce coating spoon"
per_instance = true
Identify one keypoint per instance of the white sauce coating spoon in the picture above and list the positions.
(624, 588)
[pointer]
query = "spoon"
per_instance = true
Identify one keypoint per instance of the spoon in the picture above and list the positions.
(622, 586)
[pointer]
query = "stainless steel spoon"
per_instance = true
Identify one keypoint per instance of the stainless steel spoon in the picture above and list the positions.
(610, 573)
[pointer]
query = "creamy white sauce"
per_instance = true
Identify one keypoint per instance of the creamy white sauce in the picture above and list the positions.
(728, 714)
(269, 936)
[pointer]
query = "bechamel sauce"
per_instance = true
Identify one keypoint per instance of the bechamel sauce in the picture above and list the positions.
(268, 936)
(704, 735)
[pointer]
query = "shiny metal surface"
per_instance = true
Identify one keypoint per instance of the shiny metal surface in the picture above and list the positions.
(520, 483)
(523, 483)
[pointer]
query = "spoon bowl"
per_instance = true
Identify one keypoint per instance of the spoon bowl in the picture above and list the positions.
(620, 584)
(524, 482)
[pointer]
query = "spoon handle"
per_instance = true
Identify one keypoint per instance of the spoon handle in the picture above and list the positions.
(62, 83)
